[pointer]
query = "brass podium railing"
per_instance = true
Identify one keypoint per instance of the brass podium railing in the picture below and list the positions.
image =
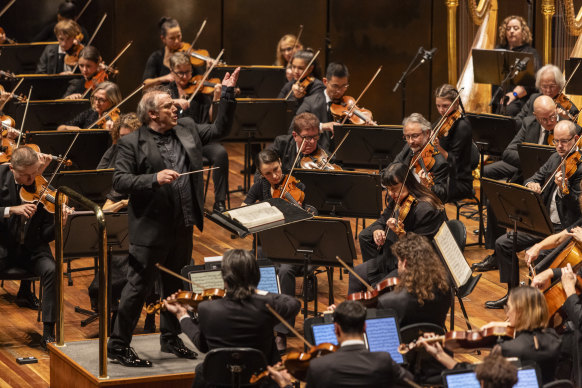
(103, 308)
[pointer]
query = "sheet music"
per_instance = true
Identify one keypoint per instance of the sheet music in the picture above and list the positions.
(255, 215)
(463, 380)
(268, 280)
(383, 337)
(526, 378)
(324, 333)
(206, 279)
(452, 255)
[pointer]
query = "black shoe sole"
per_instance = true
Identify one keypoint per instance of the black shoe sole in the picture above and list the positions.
(486, 269)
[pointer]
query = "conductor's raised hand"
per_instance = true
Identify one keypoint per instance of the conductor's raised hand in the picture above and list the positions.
(230, 80)
(167, 176)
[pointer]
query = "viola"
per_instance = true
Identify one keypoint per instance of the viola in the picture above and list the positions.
(370, 298)
(294, 192)
(189, 298)
(360, 116)
(425, 162)
(464, 340)
(318, 161)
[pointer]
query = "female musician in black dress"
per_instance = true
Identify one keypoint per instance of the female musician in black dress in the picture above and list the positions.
(299, 63)
(418, 210)
(89, 64)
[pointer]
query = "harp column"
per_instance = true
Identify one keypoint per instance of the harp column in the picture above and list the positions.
(548, 10)
(452, 6)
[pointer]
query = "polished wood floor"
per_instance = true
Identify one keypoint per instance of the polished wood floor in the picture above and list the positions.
(20, 332)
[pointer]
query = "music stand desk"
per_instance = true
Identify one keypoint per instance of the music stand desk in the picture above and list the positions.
(491, 132)
(492, 66)
(93, 184)
(21, 57)
(44, 86)
(45, 115)
(533, 156)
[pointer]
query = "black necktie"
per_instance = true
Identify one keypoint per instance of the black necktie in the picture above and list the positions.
(545, 137)
(329, 115)
(60, 63)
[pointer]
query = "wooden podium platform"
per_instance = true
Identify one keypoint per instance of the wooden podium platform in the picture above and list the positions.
(76, 365)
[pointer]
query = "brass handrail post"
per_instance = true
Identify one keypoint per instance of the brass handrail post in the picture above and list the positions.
(452, 6)
(548, 10)
(103, 271)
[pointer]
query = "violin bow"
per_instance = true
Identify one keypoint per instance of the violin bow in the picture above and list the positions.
(7, 7)
(573, 118)
(123, 50)
(197, 36)
(304, 72)
(169, 271)
(288, 326)
(24, 117)
(365, 283)
(83, 10)
(297, 39)
(292, 168)
(349, 113)
(205, 77)
(93, 36)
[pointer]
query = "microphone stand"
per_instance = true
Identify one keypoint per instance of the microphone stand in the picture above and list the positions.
(503, 88)
(409, 70)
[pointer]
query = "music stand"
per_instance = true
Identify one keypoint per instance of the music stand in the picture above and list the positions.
(315, 241)
(255, 81)
(93, 184)
(368, 146)
(44, 86)
(21, 58)
(86, 152)
(258, 121)
(518, 208)
(533, 156)
(46, 115)
(81, 239)
(575, 85)
(342, 193)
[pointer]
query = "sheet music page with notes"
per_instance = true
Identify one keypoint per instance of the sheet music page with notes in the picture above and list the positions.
(452, 255)
(256, 215)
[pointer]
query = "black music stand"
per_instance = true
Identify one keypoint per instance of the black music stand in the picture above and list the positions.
(258, 121)
(86, 152)
(46, 115)
(93, 184)
(44, 86)
(575, 85)
(21, 58)
(255, 81)
(315, 241)
(518, 208)
(368, 146)
(342, 193)
(533, 156)
(491, 133)
(81, 239)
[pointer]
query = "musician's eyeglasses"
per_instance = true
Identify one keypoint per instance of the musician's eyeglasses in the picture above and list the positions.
(98, 99)
(183, 73)
(548, 87)
(414, 136)
(563, 141)
(310, 138)
(338, 87)
(546, 120)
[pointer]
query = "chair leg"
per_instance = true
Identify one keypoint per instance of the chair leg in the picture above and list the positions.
(330, 283)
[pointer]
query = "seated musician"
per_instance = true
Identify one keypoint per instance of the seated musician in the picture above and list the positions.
(417, 210)
(527, 315)
(66, 10)
(286, 47)
(105, 96)
(549, 81)
(157, 69)
(240, 319)
(352, 365)
(200, 110)
(455, 145)
(563, 208)
(52, 60)
(423, 293)
(27, 229)
(299, 62)
(89, 63)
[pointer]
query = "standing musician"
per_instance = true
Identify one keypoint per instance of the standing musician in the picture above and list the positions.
(311, 80)
(423, 293)
(52, 60)
(157, 69)
(563, 208)
(286, 47)
(456, 144)
(200, 111)
(163, 208)
(411, 208)
(105, 96)
(90, 64)
(26, 230)
(241, 318)
(352, 365)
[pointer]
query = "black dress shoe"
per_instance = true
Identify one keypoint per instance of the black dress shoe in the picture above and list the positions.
(219, 206)
(126, 356)
(149, 325)
(177, 347)
(27, 300)
(45, 340)
(497, 304)
(488, 264)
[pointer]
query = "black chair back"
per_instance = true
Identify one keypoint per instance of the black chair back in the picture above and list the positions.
(233, 367)
(459, 232)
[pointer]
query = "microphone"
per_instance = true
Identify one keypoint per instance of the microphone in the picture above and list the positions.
(520, 65)
(427, 55)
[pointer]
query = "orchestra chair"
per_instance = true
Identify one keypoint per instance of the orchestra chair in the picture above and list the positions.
(418, 361)
(559, 384)
(16, 273)
(232, 367)
(206, 164)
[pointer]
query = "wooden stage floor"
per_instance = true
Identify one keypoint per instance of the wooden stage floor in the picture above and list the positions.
(20, 333)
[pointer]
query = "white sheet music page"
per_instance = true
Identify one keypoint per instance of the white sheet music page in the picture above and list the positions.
(452, 255)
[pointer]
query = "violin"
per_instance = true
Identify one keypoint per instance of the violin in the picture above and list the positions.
(113, 116)
(41, 192)
(72, 54)
(448, 122)
(569, 167)
(207, 86)
(370, 298)
(291, 190)
(189, 298)
(403, 209)
(197, 57)
(566, 104)
(456, 341)
(99, 77)
(425, 162)
(297, 363)
(318, 160)
(359, 116)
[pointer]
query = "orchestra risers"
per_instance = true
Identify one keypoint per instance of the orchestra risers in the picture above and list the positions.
(76, 365)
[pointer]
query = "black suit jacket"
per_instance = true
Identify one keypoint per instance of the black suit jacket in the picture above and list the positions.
(355, 366)
(458, 143)
(528, 133)
(286, 147)
(316, 104)
(139, 160)
(527, 109)
(439, 171)
(49, 58)
(568, 208)
(40, 229)
(230, 323)
(409, 311)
